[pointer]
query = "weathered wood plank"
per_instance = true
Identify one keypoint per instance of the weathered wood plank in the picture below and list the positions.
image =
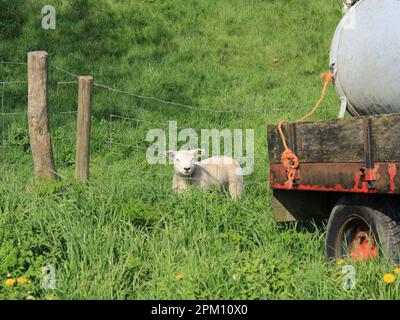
(386, 138)
(339, 141)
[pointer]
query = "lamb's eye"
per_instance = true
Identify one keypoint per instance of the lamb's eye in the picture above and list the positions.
(177, 160)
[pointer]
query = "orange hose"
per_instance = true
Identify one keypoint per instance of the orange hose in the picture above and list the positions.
(288, 157)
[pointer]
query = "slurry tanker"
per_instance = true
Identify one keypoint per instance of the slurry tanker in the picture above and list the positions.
(348, 169)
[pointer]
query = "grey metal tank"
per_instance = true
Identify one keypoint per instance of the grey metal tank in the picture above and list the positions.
(365, 58)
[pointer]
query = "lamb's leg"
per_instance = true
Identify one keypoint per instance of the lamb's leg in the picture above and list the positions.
(236, 188)
(179, 185)
(204, 184)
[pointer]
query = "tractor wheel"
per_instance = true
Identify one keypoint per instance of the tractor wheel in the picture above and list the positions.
(363, 228)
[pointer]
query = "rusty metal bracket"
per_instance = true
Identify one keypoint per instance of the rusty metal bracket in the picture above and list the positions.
(368, 173)
(293, 174)
(368, 176)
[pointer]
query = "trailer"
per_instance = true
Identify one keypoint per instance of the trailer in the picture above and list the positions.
(348, 170)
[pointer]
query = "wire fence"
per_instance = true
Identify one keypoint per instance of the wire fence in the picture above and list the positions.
(109, 140)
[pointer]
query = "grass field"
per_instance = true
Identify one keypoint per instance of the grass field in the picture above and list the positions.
(126, 235)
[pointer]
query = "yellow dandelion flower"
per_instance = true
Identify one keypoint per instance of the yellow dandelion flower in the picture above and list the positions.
(397, 270)
(339, 262)
(389, 278)
(10, 282)
(22, 280)
(179, 277)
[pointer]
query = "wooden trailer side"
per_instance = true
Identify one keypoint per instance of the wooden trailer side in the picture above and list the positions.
(336, 157)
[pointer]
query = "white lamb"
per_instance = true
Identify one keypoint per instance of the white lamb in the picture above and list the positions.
(219, 172)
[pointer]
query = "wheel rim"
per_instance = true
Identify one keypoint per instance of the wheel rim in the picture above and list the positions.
(357, 240)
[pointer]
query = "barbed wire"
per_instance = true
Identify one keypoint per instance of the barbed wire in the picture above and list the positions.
(66, 82)
(12, 82)
(161, 124)
(25, 113)
(65, 71)
(51, 67)
(153, 123)
(12, 62)
(191, 107)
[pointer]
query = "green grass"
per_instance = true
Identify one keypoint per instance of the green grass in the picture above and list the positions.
(126, 235)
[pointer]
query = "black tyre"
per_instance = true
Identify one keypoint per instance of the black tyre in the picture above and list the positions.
(363, 227)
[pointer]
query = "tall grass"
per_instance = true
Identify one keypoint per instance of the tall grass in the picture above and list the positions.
(126, 235)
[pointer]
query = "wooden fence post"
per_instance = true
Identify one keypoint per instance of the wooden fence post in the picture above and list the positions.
(83, 128)
(38, 117)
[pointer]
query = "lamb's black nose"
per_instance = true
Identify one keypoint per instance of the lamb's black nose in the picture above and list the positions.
(186, 169)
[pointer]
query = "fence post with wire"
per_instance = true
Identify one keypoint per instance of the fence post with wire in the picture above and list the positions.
(83, 128)
(38, 116)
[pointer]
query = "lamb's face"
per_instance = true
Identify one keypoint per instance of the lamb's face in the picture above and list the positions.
(184, 161)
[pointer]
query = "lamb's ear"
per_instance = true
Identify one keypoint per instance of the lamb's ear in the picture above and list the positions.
(198, 152)
(170, 153)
